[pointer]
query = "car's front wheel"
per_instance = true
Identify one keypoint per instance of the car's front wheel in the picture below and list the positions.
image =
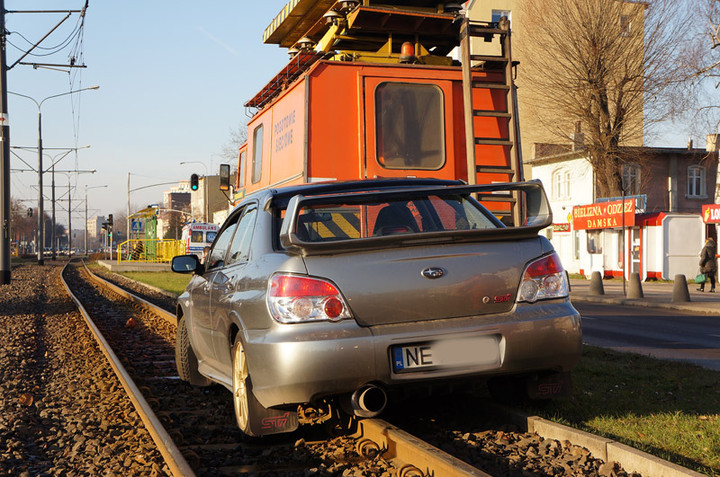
(252, 418)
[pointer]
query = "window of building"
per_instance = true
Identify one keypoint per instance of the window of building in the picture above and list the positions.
(498, 14)
(410, 124)
(696, 181)
(631, 179)
(561, 184)
(594, 241)
(257, 154)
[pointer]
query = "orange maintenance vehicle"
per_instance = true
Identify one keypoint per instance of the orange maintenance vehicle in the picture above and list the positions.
(372, 90)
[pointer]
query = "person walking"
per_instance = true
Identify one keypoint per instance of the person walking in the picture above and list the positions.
(708, 263)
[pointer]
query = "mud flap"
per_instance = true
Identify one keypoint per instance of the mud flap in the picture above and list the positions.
(549, 386)
(263, 421)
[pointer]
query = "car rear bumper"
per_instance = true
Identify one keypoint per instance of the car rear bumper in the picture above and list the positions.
(297, 363)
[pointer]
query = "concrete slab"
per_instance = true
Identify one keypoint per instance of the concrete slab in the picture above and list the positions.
(634, 460)
(114, 266)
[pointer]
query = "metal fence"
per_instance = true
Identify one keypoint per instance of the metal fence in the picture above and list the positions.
(149, 250)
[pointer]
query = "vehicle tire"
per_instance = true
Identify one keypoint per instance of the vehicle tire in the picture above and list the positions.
(252, 418)
(185, 359)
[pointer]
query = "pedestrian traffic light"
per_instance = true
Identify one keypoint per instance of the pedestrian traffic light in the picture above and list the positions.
(110, 219)
(194, 182)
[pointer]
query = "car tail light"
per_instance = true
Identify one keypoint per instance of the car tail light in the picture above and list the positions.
(299, 299)
(543, 279)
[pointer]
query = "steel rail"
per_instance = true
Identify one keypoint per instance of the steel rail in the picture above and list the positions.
(166, 315)
(171, 453)
(400, 446)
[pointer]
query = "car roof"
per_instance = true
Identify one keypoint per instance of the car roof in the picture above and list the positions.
(281, 196)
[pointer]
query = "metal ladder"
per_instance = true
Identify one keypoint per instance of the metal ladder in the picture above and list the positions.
(510, 170)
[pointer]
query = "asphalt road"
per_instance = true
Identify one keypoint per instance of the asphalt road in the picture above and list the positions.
(664, 334)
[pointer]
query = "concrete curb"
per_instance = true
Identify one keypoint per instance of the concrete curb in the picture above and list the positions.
(631, 459)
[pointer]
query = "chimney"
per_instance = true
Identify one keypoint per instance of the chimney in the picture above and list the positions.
(578, 137)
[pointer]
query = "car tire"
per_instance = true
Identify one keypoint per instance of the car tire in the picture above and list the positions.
(185, 359)
(252, 418)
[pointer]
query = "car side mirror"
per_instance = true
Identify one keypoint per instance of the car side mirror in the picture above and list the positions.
(187, 264)
(224, 176)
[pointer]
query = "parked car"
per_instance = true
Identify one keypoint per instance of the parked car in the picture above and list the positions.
(350, 290)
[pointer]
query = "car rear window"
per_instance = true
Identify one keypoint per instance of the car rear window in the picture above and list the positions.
(338, 221)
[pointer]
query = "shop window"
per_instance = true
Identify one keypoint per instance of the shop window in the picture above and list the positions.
(410, 126)
(631, 179)
(257, 154)
(696, 182)
(561, 184)
(594, 241)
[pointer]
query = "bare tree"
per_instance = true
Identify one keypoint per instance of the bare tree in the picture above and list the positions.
(702, 63)
(229, 152)
(610, 66)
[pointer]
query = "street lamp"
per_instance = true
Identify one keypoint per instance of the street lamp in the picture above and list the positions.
(206, 212)
(41, 236)
(86, 211)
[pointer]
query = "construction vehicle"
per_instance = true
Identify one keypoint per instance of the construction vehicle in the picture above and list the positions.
(372, 91)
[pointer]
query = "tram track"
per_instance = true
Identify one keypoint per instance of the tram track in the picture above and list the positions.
(461, 437)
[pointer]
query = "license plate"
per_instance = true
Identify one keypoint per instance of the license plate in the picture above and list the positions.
(451, 353)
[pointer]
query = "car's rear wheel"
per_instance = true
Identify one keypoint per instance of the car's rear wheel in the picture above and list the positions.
(252, 418)
(185, 359)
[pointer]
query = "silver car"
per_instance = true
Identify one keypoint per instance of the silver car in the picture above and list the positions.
(348, 291)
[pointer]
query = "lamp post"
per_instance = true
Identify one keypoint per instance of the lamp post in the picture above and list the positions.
(41, 236)
(206, 208)
(86, 211)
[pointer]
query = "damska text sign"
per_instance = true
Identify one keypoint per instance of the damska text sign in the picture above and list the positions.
(603, 215)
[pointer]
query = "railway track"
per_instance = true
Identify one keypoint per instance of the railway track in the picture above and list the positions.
(194, 428)
(63, 410)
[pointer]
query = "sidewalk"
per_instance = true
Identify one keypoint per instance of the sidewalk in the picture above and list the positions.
(656, 294)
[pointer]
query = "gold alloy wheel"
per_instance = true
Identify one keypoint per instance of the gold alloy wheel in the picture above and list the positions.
(240, 390)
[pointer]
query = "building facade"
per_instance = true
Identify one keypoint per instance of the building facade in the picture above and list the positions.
(657, 230)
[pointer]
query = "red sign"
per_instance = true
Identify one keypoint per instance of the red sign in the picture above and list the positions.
(561, 227)
(711, 213)
(603, 215)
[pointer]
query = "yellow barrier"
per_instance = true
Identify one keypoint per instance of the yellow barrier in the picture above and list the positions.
(149, 250)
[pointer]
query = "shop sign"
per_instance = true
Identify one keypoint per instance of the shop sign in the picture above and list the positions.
(561, 227)
(603, 215)
(711, 213)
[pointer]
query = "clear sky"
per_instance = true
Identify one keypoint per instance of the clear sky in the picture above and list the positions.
(173, 78)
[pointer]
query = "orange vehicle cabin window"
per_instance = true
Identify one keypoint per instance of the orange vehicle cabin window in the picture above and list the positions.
(257, 158)
(410, 126)
(241, 170)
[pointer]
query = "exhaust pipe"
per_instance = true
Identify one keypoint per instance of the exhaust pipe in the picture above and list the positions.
(368, 401)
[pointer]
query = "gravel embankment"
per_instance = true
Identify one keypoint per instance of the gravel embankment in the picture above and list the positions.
(62, 410)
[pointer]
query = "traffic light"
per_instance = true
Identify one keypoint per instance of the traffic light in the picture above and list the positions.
(110, 219)
(194, 182)
(29, 212)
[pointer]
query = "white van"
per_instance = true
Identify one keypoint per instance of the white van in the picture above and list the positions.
(197, 236)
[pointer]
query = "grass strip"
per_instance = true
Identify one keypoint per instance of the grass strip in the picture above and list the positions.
(665, 408)
(169, 281)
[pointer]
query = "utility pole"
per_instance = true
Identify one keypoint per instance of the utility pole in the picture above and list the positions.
(4, 159)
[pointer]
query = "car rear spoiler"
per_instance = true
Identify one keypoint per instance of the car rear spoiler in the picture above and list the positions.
(536, 215)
